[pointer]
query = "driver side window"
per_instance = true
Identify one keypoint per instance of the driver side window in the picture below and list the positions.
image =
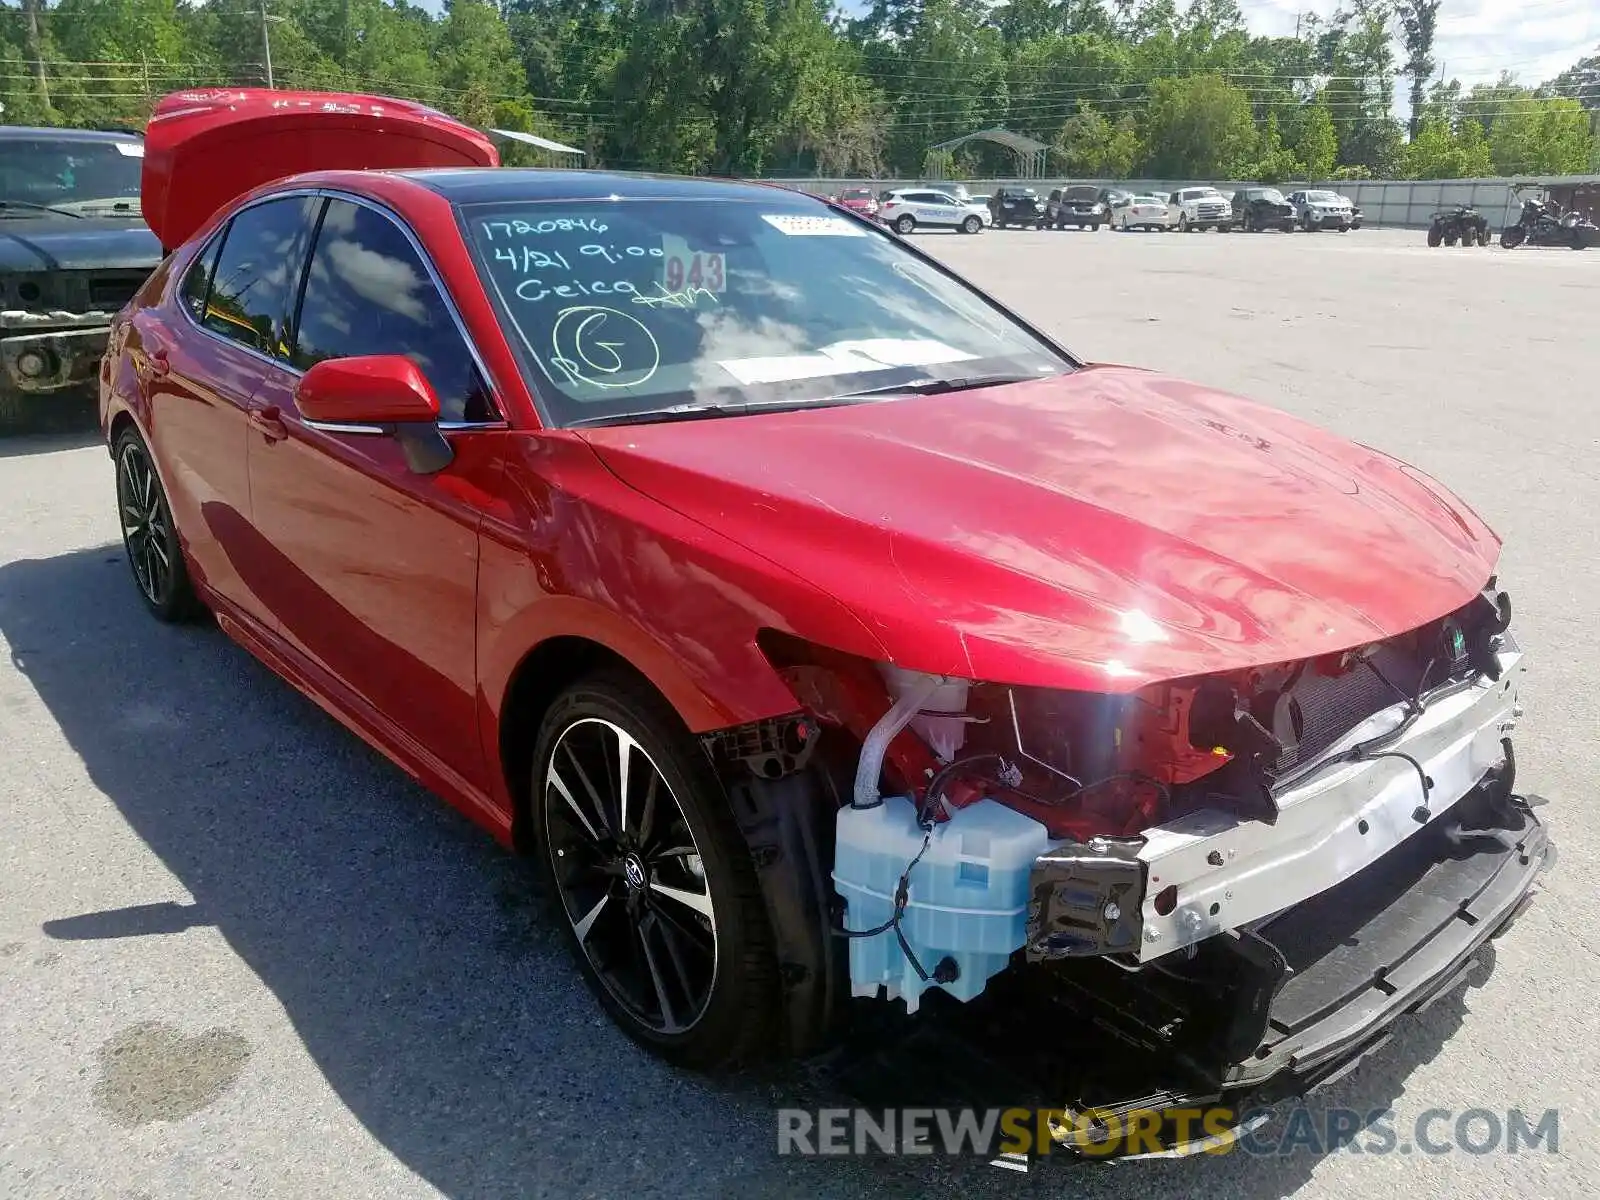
(367, 291)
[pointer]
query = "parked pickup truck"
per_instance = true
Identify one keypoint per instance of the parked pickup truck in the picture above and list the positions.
(1202, 208)
(73, 250)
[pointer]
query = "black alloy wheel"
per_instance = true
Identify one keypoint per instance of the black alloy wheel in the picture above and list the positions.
(149, 534)
(652, 878)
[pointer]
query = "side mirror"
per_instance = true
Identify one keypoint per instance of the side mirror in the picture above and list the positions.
(377, 393)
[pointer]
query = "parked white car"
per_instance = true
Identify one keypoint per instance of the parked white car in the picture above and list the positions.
(1319, 209)
(1141, 212)
(1202, 208)
(907, 209)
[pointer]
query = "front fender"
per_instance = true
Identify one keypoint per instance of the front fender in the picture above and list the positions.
(574, 552)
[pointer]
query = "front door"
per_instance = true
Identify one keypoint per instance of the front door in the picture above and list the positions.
(375, 567)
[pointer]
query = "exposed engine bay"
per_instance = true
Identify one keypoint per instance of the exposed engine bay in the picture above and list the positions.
(1170, 854)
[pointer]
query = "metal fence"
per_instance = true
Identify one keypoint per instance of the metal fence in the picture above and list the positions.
(1400, 203)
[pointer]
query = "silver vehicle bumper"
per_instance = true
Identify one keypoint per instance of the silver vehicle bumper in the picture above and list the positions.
(1230, 872)
(51, 352)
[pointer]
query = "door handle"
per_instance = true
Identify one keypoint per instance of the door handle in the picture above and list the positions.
(159, 366)
(268, 422)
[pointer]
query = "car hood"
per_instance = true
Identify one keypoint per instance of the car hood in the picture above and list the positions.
(60, 243)
(1099, 530)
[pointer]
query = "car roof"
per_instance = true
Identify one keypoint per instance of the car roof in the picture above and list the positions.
(471, 185)
(18, 132)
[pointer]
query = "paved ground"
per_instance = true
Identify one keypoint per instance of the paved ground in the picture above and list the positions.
(239, 955)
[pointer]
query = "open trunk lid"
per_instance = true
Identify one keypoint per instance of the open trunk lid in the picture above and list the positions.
(204, 148)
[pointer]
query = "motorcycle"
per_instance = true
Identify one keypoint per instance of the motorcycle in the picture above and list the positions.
(1462, 224)
(1547, 225)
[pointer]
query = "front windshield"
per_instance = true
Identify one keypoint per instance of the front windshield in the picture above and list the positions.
(86, 178)
(856, 194)
(1273, 196)
(1323, 197)
(1081, 193)
(623, 308)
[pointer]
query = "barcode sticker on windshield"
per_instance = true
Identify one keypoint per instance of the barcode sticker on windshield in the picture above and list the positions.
(796, 226)
(130, 149)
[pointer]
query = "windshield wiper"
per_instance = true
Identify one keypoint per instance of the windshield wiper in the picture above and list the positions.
(695, 412)
(933, 387)
(114, 207)
(32, 207)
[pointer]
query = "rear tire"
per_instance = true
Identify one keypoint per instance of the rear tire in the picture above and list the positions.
(150, 536)
(655, 889)
(1511, 237)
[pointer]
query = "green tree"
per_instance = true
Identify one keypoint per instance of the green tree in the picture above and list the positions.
(1318, 144)
(1417, 23)
(1541, 137)
(1199, 127)
(1440, 152)
(1091, 145)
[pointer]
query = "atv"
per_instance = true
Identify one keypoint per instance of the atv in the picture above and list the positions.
(1463, 224)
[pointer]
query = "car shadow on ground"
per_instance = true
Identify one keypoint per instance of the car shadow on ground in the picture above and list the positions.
(411, 954)
(73, 436)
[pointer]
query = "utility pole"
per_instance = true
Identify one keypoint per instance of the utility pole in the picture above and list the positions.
(32, 9)
(266, 40)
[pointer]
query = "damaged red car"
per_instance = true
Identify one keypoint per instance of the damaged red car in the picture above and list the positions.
(825, 633)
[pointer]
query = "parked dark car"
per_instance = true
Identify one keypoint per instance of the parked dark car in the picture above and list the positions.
(1082, 205)
(1259, 208)
(1017, 206)
(74, 249)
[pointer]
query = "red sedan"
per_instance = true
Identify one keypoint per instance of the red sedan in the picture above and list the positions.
(818, 626)
(859, 199)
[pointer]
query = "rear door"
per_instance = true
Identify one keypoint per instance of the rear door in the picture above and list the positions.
(202, 365)
(374, 568)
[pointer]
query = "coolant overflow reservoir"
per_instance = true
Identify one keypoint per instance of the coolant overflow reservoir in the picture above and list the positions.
(967, 897)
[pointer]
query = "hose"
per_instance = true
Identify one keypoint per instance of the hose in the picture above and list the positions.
(869, 768)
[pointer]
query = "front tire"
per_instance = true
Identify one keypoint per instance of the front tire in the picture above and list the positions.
(651, 879)
(150, 536)
(971, 225)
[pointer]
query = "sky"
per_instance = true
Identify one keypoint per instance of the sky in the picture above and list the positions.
(1535, 39)
(1476, 39)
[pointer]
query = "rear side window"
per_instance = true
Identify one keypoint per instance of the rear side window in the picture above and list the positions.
(369, 292)
(197, 283)
(251, 287)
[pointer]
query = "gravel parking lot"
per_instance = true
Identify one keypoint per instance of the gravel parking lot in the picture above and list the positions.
(241, 955)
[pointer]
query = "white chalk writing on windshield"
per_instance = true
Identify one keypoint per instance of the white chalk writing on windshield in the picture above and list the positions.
(511, 230)
(665, 298)
(535, 290)
(603, 347)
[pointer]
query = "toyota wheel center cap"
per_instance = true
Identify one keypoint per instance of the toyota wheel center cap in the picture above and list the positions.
(633, 871)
